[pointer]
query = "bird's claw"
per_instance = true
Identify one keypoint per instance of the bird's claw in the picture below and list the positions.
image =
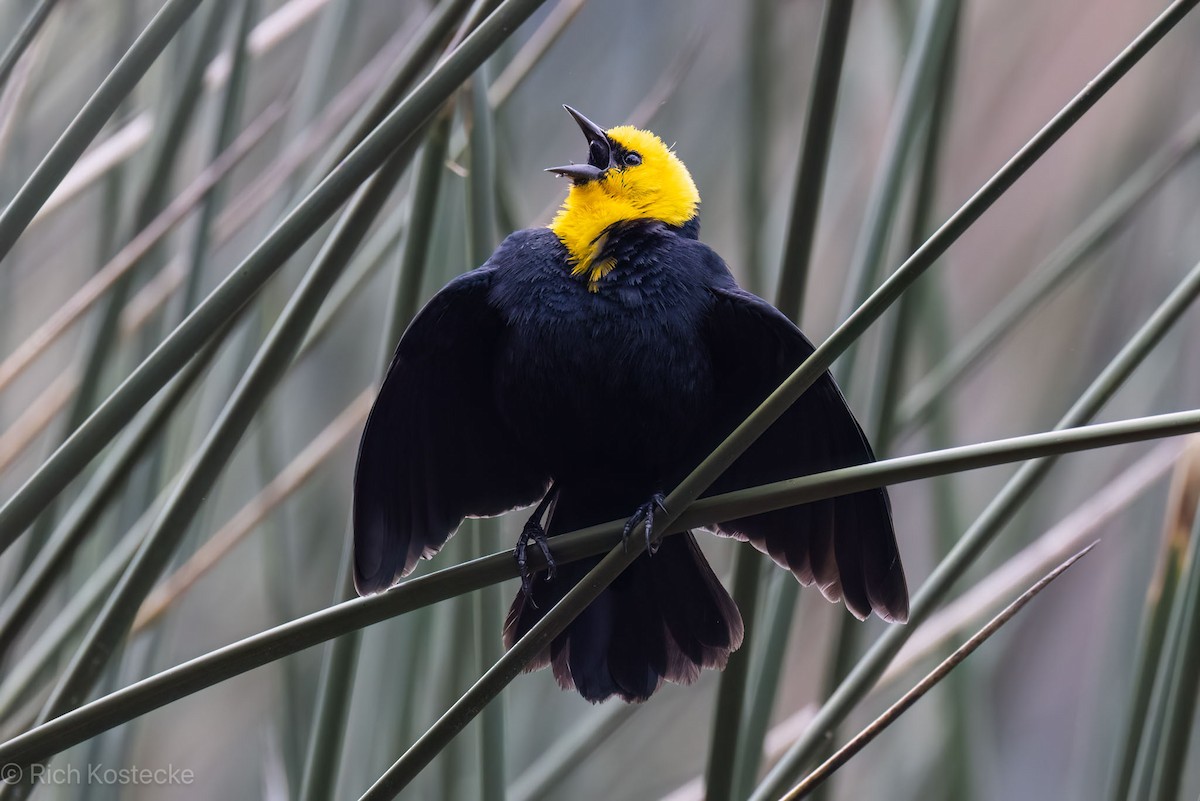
(645, 512)
(533, 531)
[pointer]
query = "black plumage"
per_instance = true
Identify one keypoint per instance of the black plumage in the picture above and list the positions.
(519, 374)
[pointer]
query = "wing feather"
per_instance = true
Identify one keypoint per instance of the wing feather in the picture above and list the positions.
(845, 545)
(435, 449)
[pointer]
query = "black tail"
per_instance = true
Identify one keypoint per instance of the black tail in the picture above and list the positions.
(666, 617)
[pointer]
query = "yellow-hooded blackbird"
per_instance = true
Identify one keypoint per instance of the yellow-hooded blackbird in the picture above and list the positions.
(590, 366)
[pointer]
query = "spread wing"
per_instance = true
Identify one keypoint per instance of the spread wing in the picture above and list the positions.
(846, 545)
(435, 449)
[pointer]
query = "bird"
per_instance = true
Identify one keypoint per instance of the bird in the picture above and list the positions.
(587, 367)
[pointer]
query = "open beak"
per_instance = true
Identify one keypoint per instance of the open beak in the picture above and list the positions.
(579, 173)
(599, 152)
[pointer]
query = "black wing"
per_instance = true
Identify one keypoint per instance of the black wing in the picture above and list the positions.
(846, 545)
(434, 449)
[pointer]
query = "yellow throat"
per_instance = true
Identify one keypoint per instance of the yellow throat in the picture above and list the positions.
(658, 188)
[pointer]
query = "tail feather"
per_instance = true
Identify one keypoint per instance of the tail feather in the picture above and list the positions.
(702, 619)
(665, 618)
(635, 655)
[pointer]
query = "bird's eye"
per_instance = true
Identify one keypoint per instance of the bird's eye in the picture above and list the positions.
(632, 159)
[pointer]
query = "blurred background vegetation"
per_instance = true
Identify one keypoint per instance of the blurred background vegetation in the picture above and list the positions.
(1039, 713)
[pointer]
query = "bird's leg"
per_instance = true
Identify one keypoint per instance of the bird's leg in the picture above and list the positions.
(645, 512)
(534, 530)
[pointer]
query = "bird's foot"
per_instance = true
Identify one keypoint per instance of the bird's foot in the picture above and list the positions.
(645, 512)
(533, 531)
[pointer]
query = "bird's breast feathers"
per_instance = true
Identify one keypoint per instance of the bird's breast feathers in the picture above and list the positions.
(634, 344)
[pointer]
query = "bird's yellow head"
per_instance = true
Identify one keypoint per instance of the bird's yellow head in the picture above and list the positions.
(629, 175)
